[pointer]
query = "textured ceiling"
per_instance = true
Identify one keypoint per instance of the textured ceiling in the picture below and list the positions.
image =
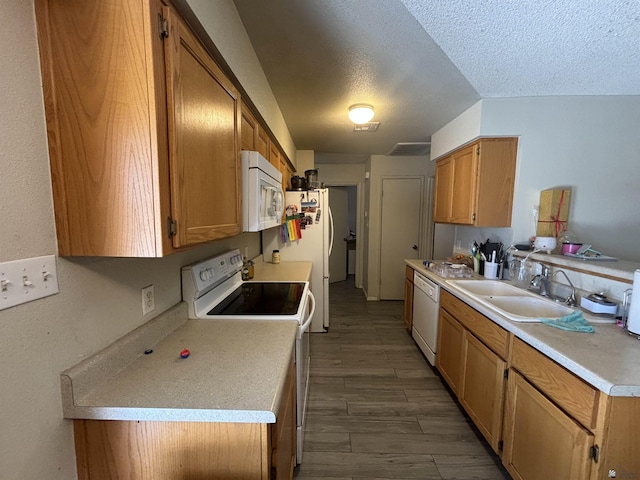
(421, 63)
(539, 47)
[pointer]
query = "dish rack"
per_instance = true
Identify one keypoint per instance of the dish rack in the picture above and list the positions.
(448, 269)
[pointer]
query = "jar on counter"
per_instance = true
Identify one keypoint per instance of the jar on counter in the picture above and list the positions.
(275, 256)
(247, 269)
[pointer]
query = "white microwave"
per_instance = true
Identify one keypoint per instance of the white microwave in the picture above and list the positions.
(262, 197)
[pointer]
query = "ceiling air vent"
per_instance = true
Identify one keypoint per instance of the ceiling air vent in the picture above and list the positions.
(366, 127)
(410, 148)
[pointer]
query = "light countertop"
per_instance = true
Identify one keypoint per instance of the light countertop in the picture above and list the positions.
(608, 359)
(235, 372)
(283, 271)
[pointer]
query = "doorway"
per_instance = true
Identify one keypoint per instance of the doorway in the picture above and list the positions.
(402, 225)
(338, 260)
(354, 217)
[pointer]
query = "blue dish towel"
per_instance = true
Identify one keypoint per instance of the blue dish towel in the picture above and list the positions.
(574, 322)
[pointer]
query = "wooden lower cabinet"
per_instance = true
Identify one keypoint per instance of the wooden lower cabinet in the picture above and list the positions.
(540, 441)
(408, 298)
(110, 450)
(143, 450)
(482, 387)
(283, 433)
(543, 420)
(471, 358)
(449, 356)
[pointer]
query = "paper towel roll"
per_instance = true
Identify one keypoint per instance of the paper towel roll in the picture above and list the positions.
(633, 322)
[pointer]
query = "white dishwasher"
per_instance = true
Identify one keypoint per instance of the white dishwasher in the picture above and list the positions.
(426, 296)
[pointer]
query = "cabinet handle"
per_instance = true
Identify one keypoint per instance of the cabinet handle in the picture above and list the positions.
(415, 247)
(595, 453)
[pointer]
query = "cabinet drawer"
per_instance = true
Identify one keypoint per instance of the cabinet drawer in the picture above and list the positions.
(573, 395)
(408, 273)
(492, 335)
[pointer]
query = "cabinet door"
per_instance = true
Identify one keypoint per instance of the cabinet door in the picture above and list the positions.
(482, 387)
(262, 142)
(443, 191)
(496, 178)
(408, 303)
(449, 356)
(274, 155)
(204, 143)
(283, 437)
(106, 125)
(463, 198)
(284, 170)
(541, 441)
(248, 129)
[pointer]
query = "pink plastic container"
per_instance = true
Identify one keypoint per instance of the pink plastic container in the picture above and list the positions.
(570, 247)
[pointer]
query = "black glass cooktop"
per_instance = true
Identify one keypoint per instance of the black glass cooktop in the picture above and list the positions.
(257, 298)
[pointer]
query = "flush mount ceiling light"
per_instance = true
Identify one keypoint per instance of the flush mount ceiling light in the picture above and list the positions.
(360, 113)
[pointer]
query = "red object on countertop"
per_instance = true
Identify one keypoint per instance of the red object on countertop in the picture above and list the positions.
(185, 353)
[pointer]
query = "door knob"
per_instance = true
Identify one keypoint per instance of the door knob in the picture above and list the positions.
(415, 247)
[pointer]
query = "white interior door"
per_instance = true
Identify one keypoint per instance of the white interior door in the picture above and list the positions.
(339, 203)
(401, 224)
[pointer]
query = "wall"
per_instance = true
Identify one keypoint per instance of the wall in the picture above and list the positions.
(99, 299)
(588, 143)
(352, 202)
(458, 131)
(381, 166)
(304, 161)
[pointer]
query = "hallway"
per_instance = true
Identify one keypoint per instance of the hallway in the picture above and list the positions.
(377, 410)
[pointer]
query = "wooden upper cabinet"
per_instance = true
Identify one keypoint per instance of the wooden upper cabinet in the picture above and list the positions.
(248, 128)
(465, 166)
(443, 190)
(274, 156)
(204, 153)
(474, 184)
(122, 152)
(262, 142)
(254, 136)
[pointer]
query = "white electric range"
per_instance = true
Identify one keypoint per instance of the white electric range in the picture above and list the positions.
(214, 289)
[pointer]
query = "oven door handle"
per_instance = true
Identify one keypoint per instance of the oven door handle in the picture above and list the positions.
(305, 325)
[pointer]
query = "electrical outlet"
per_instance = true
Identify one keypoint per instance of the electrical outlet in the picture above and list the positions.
(148, 300)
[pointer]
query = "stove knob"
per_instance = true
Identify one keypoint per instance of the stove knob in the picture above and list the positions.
(203, 275)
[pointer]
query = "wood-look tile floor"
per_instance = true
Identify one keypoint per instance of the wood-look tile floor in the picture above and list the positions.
(377, 409)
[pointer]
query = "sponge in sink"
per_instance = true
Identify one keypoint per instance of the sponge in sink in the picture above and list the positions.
(574, 322)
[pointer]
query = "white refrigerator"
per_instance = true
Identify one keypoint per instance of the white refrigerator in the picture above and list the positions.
(311, 207)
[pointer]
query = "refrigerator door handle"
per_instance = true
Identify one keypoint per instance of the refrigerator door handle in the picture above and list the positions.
(331, 225)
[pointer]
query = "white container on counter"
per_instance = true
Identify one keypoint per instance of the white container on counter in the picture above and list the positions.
(633, 322)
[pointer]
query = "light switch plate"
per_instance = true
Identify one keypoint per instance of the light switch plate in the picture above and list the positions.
(23, 281)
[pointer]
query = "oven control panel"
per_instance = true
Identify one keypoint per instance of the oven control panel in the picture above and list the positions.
(202, 276)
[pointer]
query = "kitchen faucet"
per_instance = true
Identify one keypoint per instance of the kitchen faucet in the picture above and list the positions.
(571, 299)
(542, 281)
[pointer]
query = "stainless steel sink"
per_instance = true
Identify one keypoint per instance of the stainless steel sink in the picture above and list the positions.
(510, 301)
